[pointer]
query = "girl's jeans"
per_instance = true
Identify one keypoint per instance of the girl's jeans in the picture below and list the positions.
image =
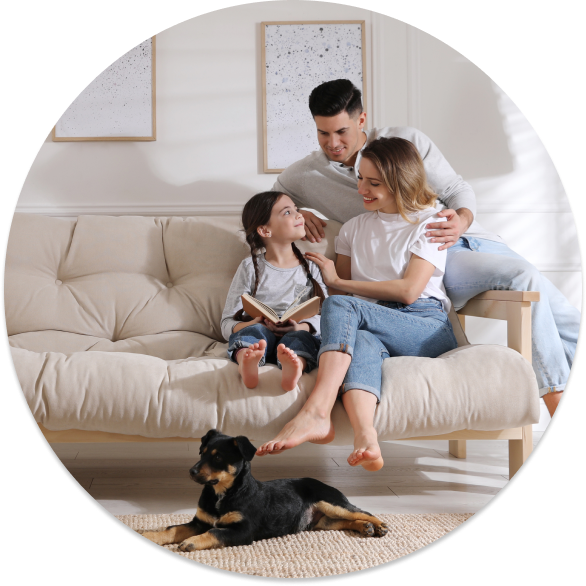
(475, 265)
(302, 343)
(371, 332)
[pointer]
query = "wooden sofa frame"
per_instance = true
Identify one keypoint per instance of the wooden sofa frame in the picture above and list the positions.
(512, 306)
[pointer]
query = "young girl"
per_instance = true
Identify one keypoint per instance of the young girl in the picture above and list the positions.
(277, 278)
(391, 299)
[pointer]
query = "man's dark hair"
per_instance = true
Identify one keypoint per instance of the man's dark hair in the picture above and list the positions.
(336, 96)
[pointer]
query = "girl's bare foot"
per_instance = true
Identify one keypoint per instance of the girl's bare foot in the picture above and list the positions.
(306, 426)
(292, 366)
(248, 359)
(366, 451)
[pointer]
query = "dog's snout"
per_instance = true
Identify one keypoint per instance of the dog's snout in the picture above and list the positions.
(194, 472)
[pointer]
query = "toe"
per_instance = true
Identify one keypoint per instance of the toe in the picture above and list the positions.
(261, 450)
(268, 448)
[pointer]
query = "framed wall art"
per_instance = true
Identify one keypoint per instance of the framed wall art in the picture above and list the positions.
(296, 57)
(119, 104)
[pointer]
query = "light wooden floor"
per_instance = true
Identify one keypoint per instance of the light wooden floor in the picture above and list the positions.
(418, 476)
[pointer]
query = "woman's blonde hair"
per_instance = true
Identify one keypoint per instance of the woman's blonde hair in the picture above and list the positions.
(401, 169)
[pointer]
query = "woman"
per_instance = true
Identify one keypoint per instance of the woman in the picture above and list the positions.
(388, 300)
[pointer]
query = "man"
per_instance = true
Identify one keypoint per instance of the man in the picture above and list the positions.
(477, 261)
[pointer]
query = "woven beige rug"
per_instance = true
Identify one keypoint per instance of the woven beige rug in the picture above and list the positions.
(313, 554)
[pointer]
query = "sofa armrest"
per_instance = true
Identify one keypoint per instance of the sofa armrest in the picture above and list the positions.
(512, 306)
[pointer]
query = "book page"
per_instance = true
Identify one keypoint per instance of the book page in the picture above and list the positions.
(303, 311)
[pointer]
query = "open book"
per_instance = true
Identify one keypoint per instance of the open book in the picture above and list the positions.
(256, 308)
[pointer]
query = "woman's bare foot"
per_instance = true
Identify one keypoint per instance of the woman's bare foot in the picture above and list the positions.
(304, 427)
(248, 359)
(366, 451)
(292, 366)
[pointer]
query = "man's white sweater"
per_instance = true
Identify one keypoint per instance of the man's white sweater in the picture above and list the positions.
(331, 188)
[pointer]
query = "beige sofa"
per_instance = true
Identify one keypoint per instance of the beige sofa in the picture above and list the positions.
(114, 329)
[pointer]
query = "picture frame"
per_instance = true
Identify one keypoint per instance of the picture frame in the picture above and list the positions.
(296, 57)
(118, 105)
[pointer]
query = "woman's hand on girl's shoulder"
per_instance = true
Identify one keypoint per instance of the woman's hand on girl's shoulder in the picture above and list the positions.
(326, 266)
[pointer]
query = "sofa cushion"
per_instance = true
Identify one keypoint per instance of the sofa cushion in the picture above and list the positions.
(117, 278)
(114, 324)
(167, 345)
(123, 277)
(474, 387)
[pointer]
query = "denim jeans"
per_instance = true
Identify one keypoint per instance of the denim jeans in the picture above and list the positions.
(475, 265)
(371, 332)
(302, 343)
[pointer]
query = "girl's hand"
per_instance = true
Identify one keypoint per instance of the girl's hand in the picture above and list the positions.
(291, 326)
(327, 267)
(245, 324)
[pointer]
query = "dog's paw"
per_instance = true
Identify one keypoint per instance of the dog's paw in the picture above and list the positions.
(143, 531)
(367, 529)
(381, 530)
(154, 536)
(186, 546)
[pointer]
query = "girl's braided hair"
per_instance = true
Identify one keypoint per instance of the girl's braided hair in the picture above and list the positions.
(256, 213)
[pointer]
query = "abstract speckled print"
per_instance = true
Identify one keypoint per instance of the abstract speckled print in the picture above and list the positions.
(117, 103)
(298, 58)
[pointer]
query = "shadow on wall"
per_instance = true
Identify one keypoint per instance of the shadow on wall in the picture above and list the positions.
(458, 108)
(480, 135)
(116, 174)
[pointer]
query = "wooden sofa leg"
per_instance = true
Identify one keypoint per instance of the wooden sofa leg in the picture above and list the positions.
(519, 450)
(458, 448)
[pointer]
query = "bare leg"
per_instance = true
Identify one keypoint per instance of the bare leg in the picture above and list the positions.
(292, 365)
(313, 423)
(248, 359)
(551, 401)
(360, 406)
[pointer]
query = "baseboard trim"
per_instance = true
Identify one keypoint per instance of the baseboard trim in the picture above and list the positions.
(216, 209)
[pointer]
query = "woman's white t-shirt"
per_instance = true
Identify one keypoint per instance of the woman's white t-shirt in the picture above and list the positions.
(380, 247)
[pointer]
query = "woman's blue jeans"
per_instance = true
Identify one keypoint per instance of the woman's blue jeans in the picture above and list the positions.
(475, 265)
(371, 332)
(302, 343)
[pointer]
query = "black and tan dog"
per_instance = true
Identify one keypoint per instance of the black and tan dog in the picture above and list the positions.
(236, 509)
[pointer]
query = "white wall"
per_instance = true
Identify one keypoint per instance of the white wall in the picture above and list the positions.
(208, 154)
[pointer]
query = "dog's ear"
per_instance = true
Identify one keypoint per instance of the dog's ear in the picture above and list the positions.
(246, 448)
(207, 437)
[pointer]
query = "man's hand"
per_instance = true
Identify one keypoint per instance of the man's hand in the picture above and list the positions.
(289, 326)
(450, 231)
(314, 226)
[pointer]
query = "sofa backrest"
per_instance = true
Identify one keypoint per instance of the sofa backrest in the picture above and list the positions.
(119, 277)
